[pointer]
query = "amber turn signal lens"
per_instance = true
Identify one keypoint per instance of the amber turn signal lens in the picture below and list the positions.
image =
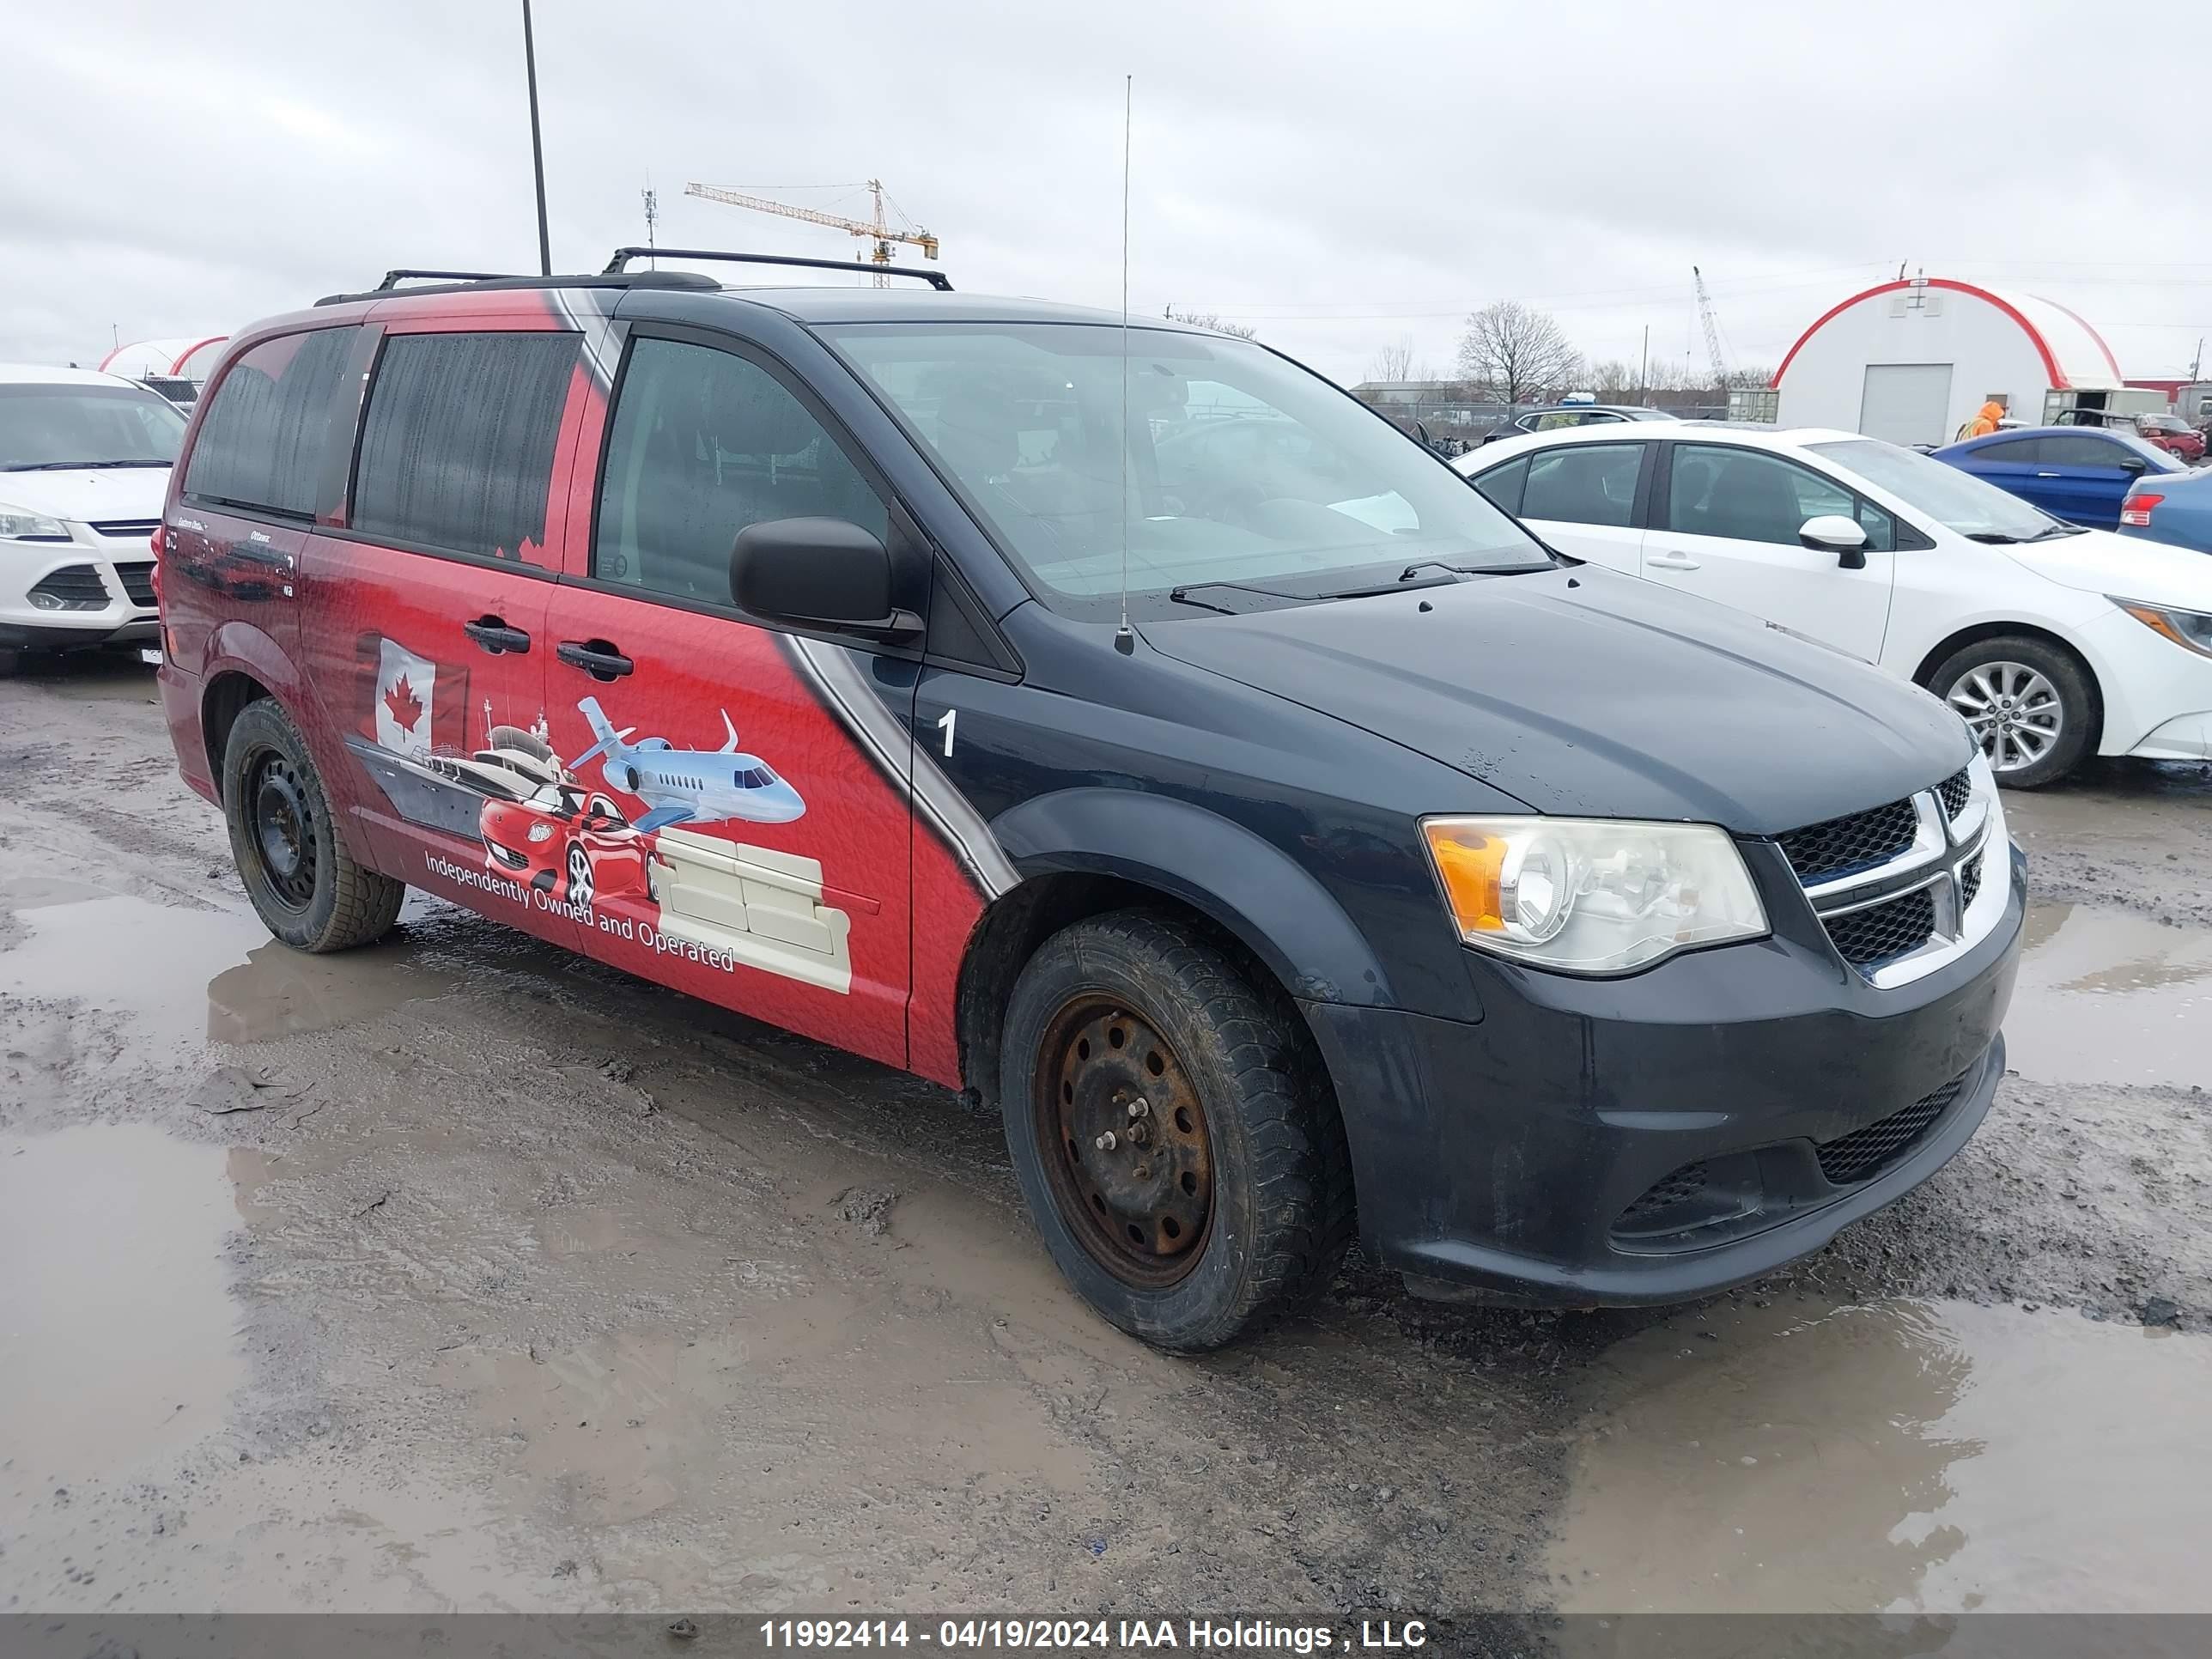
(1470, 865)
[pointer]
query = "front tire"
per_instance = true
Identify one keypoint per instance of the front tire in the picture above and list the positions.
(305, 886)
(2030, 705)
(1172, 1132)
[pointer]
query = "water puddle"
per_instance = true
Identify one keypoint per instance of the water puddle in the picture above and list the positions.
(1904, 1457)
(189, 977)
(115, 1319)
(2111, 996)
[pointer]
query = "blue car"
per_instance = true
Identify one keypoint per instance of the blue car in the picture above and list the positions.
(2079, 474)
(2172, 510)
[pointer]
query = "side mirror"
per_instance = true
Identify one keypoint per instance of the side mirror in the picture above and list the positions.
(820, 573)
(1832, 532)
(2132, 464)
(1421, 431)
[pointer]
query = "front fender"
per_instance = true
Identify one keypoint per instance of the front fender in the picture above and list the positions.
(1247, 884)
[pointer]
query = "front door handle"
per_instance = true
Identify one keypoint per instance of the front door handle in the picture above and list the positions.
(493, 635)
(1672, 562)
(2046, 474)
(596, 658)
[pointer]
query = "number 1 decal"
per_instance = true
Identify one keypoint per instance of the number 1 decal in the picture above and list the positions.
(945, 725)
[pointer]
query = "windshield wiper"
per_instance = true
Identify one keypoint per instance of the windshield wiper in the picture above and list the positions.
(1184, 595)
(1993, 538)
(73, 466)
(2058, 530)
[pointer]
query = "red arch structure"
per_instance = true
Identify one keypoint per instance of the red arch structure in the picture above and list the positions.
(2058, 381)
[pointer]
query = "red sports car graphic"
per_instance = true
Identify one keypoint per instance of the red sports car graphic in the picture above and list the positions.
(579, 849)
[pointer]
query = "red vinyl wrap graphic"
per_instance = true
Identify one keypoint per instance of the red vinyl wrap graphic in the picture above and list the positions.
(712, 821)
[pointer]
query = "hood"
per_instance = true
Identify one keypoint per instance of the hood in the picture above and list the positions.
(92, 496)
(1581, 693)
(2125, 567)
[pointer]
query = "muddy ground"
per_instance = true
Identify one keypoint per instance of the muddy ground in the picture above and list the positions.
(461, 1273)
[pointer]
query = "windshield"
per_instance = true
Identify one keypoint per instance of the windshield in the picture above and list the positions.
(1958, 501)
(1240, 468)
(56, 426)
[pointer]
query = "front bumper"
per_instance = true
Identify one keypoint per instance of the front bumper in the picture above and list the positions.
(87, 589)
(1664, 1136)
(2187, 738)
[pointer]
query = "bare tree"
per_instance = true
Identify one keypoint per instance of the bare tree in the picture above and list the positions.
(1211, 320)
(1516, 351)
(1613, 379)
(1394, 361)
(1747, 378)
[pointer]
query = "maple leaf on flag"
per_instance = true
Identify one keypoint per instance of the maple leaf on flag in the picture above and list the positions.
(406, 708)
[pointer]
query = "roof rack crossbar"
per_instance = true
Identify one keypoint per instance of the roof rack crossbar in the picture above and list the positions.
(936, 279)
(393, 278)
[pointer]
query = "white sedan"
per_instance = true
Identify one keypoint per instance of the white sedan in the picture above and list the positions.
(2052, 641)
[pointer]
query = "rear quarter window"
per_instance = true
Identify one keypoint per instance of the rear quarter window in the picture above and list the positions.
(457, 446)
(268, 429)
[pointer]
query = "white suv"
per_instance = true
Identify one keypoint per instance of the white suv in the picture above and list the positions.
(84, 465)
(2051, 641)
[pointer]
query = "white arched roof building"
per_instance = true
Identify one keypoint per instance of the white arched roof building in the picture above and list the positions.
(186, 359)
(1911, 361)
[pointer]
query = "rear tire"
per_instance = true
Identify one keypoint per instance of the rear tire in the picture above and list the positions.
(2027, 753)
(307, 888)
(1226, 1203)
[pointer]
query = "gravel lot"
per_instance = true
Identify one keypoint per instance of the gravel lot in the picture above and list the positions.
(462, 1274)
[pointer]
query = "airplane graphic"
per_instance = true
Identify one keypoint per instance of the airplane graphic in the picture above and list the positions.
(687, 786)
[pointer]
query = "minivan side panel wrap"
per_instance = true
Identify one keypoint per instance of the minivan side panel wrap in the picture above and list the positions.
(958, 864)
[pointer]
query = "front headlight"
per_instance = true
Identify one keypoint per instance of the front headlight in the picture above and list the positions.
(1591, 896)
(23, 525)
(2190, 630)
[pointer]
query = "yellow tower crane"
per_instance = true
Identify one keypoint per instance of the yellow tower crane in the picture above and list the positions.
(878, 230)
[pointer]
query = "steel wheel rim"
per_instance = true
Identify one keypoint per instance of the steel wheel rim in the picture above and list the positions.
(283, 829)
(1124, 1141)
(580, 874)
(2015, 712)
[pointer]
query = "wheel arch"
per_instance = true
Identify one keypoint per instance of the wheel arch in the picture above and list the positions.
(222, 700)
(1960, 639)
(1085, 852)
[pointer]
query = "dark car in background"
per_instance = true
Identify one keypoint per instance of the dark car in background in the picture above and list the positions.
(2078, 473)
(1175, 756)
(1551, 416)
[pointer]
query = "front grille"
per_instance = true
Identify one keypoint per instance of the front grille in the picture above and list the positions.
(1970, 882)
(1680, 1187)
(1956, 790)
(1870, 937)
(77, 586)
(126, 527)
(1859, 841)
(1867, 1151)
(138, 582)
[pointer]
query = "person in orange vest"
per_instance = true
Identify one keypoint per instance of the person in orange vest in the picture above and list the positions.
(1985, 421)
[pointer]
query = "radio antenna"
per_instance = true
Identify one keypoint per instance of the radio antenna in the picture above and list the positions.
(1125, 640)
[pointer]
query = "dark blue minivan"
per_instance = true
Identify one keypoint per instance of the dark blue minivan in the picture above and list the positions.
(1283, 840)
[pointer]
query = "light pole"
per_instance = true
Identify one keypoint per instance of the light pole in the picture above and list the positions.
(537, 144)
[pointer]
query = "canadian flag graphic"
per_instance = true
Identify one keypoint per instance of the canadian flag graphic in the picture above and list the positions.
(406, 692)
(411, 705)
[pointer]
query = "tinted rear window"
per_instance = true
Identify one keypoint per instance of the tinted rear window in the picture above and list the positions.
(457, 446)
(268, 430)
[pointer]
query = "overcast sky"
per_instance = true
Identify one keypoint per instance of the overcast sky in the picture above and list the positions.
(1335, 175)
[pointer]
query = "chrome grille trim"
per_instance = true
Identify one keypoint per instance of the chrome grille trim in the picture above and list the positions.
(1943, 849)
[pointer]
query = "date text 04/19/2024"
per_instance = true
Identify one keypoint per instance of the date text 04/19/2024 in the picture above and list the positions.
(1111, 1636)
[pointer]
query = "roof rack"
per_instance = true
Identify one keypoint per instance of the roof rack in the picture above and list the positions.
(466, 282)
(616, 266)
(393, 278)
